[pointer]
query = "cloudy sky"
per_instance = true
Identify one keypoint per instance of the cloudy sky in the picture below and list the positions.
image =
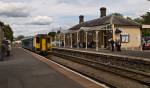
(29, 17)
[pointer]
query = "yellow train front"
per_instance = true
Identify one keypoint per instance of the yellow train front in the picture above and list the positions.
(40, 44)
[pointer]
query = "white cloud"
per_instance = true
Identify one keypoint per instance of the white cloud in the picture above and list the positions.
(30, 30)
(50, 14)
(14, 9)
(132, 8)
(41, 20)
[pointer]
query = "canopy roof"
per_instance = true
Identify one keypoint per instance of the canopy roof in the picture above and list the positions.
(146, 26)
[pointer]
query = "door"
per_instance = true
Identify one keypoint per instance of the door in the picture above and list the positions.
(43, 44)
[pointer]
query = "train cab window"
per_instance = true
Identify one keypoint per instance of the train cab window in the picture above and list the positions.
(37, 40)
(48, 40)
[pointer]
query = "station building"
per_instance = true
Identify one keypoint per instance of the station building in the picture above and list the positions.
(96, 33)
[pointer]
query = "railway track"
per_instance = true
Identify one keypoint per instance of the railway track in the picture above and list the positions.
(138, 76)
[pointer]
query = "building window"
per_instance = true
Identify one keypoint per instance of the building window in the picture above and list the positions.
(125, 38)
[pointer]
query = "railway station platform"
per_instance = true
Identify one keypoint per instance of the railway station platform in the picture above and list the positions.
(128, 53)
(23, 70)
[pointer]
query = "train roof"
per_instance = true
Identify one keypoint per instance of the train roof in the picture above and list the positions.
(31, 37)
(27, 38)
(41, 35)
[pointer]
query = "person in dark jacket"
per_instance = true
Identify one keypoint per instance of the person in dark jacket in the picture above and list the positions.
(3, 49)
(118, 45)
(111, 41)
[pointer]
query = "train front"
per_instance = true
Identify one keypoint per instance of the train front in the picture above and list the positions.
(42, 44)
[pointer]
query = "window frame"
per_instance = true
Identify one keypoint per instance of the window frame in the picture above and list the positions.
(37, 39)
(125, 38)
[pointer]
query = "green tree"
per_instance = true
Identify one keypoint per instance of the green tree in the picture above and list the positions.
(58, 31)
(8, 33)
(146, 18)
(118, 14)
(20, 37)
(52, 34)
(129, 18)
(139, 20)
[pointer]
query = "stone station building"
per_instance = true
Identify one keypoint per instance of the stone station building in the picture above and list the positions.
(96, 33)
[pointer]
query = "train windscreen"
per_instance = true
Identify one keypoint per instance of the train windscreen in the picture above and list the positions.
(37, 40)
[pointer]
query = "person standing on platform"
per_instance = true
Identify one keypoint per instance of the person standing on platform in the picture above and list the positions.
(112, 44)
(3, 49)
(118, 45)
(118, 39)
(8, 47)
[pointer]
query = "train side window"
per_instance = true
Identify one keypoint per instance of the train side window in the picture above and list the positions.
(37, 40)
(48, 40)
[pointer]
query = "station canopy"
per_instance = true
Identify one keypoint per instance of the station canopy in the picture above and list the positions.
(97, 28)
(145, 26)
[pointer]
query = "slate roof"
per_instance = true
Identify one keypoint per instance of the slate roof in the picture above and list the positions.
(111, 19)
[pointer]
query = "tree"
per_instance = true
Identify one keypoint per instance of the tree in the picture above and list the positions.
(129, 18)
(8, 33)
(139, 20)
(146, 18)
(58, 31)
(20, 37)
(52, 34)
(118, 14)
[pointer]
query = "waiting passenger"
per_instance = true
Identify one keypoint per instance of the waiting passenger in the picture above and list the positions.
(118, 45)
(8, 47)
(111, 41)
(3, 49)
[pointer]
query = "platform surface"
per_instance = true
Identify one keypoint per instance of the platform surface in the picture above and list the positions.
(22, 70)
(138, 54)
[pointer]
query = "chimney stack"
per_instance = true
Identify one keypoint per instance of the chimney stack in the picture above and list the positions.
(103, 12)
(81, 19)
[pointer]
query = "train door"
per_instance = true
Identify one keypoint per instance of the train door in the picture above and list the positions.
(48, 43)
(37, 44)
(44, 45)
